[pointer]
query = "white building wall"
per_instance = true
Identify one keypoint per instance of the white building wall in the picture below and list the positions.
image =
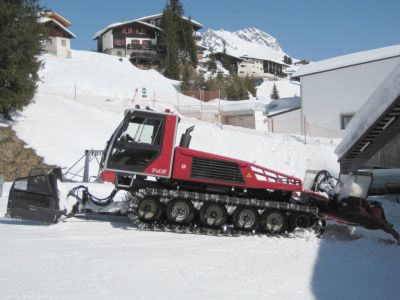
(327, 95)
(59, 46)
(63, 47)
(107, 40)
(289, 122)
(260, 121)
(50, 45)
(251, 67)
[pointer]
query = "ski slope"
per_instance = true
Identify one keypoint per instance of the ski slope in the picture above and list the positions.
(103, 258)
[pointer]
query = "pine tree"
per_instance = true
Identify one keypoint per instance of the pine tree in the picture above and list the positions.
(187, 77)
(169, 41)
(21, 37)
(177, 38)
(250, 84)
(190, 46)
(275, 93)
(212, 63)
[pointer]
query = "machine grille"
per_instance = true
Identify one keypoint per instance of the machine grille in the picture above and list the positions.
(210, 169)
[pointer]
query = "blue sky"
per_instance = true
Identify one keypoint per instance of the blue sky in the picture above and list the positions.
(310, 29)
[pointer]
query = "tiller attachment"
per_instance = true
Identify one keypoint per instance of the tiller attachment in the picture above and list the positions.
(346, 202)
(35, 197)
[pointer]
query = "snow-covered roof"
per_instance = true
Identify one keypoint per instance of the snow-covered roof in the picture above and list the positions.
(375, 106)
(282, 105)
(44, 20)
(348, 60)
(265, 58)
(159, 16)
(58, 17)
(114, 25)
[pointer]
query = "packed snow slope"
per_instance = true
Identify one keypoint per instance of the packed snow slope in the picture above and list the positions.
(111, 258)
(60, 128)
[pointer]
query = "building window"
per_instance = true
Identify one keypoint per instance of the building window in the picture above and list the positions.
(140, 31)
(146, 42)
(64, 43)
(119, 42)
(344, 120)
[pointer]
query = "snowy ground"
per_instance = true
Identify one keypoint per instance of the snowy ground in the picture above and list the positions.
(100, 259)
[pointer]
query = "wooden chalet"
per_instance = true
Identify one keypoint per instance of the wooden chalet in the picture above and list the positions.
(137, 39)
(59, 40)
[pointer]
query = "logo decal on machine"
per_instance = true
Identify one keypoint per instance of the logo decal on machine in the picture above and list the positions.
(159, 171)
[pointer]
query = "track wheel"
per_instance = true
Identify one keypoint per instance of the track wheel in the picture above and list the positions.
(246, 218)
(180, 211)
(149, 209)
(274, 221)
(298, 221)
(213, 214)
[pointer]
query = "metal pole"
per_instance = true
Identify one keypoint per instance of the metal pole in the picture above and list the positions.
(302, 117)
(86, 169)
(305, 131)
(1, 185)
(219, 111)
(201, 110)
(75, 91)
(177, 97)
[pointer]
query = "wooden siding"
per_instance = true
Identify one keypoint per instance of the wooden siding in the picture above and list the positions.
(388, 156)
(134, 31)
(56, 31)
(379, 146)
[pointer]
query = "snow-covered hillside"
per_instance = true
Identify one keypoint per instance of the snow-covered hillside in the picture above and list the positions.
(60, 128)
(103, 259)
(249, 41)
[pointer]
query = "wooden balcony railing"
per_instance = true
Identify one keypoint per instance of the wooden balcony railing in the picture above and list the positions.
(142, 47)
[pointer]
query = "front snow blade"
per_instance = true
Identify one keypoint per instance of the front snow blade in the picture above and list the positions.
(35, 198)
(349, 203)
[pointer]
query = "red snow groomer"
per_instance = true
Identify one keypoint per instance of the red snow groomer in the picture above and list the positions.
(179, 186)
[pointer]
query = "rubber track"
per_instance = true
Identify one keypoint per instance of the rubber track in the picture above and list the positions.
(227, 200)
(194, 228)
